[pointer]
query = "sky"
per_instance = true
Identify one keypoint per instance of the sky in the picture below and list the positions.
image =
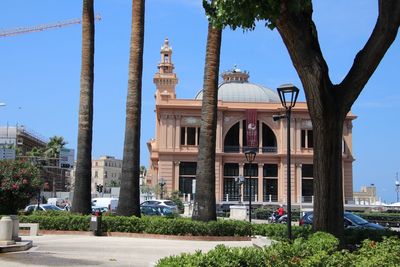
(40, 72)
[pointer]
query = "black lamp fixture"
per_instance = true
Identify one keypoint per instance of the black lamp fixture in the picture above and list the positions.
(250, 156)
(288, 94)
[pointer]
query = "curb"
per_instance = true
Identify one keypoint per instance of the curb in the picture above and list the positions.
(141, 235)
(19, 246)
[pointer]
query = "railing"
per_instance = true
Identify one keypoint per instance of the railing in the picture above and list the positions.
(307, 199)
(238, 149)
(270, 198)
(232, 197)
(231, 149)
(269, 149)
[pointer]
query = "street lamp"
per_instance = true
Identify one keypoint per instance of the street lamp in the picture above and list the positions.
(288, 95)
(250, 156)
(162, 184)
(397, 184)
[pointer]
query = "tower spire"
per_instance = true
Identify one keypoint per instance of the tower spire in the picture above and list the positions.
(165, 79)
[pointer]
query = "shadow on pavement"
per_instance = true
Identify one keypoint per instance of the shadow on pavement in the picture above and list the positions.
(44, 258)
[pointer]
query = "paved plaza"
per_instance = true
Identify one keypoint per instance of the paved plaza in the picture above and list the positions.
(76, 250)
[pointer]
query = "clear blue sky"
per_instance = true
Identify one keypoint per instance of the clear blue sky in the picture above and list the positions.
(39, 77)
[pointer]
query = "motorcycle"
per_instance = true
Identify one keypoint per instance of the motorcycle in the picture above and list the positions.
(274, 218)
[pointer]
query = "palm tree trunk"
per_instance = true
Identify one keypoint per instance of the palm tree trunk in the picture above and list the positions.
(205, 173)
(129, 200)
(82, 195)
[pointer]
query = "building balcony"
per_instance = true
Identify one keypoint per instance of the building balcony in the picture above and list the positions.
(238, 149)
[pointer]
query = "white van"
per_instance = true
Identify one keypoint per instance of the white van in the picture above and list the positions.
(111, 203)
(55, 201)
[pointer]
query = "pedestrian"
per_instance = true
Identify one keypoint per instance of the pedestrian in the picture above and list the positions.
(281, 211)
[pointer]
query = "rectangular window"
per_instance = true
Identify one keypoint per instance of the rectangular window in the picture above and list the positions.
(270, 187)
(307, 181)
(231, 169)
(186, 185)
(183, 132)
(191, 136)
(307, 170)
(254, 188)
(270, 170)
(187, 168)
(231, 189)
(96, 174)
(198, 136)
(251, 169)
(307, 188)
(307, 140)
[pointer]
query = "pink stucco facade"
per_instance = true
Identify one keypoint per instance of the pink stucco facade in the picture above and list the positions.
(173, 151)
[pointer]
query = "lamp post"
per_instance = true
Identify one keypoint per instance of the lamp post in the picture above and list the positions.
(397, 184)
(162, 184)
(250, 156)
(288, 95)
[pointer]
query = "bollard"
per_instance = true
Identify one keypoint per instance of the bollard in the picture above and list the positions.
(15, 232)
(95, 224)
(6, 229)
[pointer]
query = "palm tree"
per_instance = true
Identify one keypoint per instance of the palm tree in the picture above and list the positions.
(54, 146)
(205, 173)
(129, 203)
(82, 198)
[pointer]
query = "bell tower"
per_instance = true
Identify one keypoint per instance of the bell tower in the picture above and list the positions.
(165, 79)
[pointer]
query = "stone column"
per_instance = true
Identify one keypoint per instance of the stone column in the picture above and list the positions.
(6, 230)
(15, 232)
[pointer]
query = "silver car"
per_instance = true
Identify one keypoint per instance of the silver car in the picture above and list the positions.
(42, 207)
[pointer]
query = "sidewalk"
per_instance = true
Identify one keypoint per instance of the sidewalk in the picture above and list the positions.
(78, 250)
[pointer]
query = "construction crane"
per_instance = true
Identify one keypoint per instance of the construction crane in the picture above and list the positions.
(42, 27)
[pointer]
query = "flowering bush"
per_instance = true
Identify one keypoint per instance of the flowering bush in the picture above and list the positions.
(19, 182)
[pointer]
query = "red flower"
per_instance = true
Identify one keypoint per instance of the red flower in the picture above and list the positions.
(14, 186)
(25, 181)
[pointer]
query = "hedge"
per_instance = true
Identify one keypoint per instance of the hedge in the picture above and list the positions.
(320, 249)
(185, 226)
(386, 219)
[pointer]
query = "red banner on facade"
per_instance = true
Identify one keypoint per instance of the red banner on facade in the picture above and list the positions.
(251, 128)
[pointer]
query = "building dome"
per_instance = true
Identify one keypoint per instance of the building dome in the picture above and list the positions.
(237, 88)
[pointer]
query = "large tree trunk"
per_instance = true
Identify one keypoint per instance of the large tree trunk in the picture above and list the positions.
(82, 192)
(129, 199)
(205, 173)
(328, 176)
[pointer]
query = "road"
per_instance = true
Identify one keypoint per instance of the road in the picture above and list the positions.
(75, 250)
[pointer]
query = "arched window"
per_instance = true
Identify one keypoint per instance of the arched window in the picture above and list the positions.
(268, 139)
(231, 142)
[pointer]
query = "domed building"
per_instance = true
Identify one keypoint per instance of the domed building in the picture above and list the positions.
(245, 111)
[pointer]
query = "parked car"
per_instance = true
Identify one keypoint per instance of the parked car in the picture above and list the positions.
(161, 202)
(99, 209)
(350, 221)
(111, 203)
(157, 210)
(42, 207)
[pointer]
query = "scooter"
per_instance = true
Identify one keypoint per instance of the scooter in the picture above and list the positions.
(274, 218)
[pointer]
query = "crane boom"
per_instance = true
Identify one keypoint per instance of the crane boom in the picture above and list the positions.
(42, 27)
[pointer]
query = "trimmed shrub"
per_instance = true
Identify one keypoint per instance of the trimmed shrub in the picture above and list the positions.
(320, 249)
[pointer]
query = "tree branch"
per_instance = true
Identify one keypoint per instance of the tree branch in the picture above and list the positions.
(368, 59)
